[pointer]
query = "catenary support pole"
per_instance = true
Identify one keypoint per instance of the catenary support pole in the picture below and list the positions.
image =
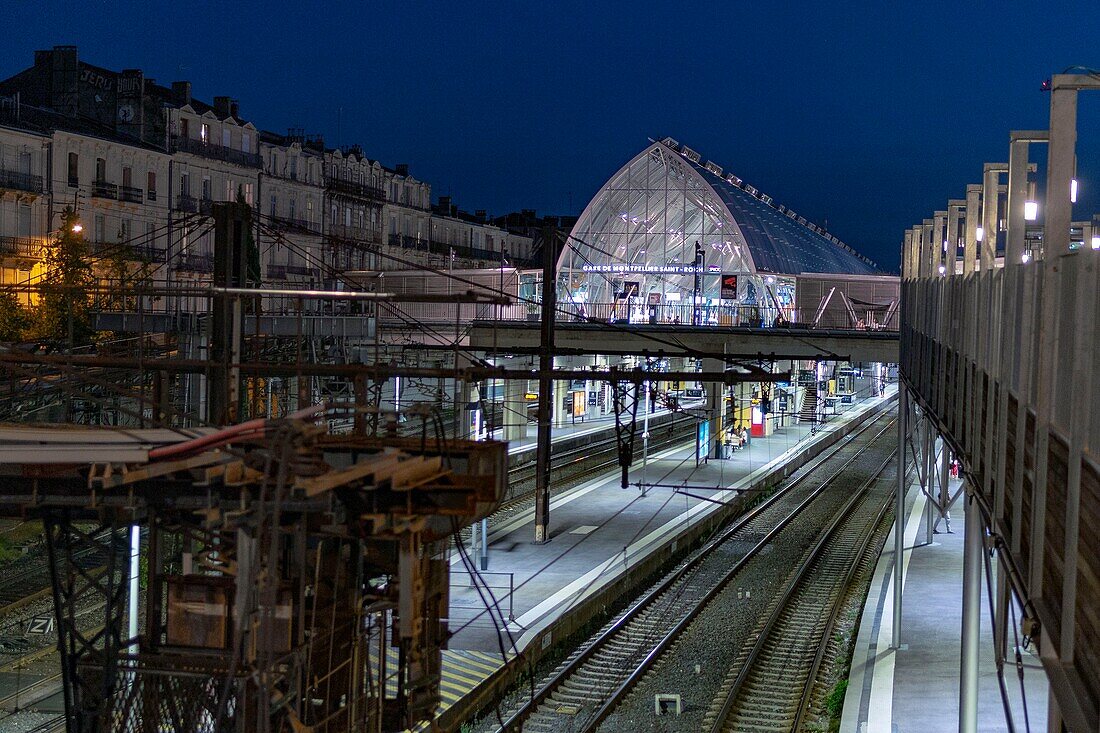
(135, 570)
(899, 510)
(971, 612)
(546, 387)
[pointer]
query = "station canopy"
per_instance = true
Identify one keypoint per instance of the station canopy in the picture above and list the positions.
(665, 217)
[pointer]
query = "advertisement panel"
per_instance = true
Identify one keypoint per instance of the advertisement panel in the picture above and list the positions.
(729, 287)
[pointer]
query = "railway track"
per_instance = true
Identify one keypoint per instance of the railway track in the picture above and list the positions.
(586, 688)
(770, 687)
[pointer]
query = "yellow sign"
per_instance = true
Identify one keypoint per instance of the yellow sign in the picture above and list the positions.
(530, 396)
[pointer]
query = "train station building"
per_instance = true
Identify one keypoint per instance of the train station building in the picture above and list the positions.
(672, 239)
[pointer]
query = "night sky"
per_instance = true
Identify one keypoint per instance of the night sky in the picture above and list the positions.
(864, 116)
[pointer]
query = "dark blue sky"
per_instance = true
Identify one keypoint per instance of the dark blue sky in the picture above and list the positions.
(866, 114)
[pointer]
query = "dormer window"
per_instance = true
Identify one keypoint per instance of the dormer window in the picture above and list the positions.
(204, 133)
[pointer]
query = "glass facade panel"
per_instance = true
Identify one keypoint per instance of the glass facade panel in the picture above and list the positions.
(642, 239)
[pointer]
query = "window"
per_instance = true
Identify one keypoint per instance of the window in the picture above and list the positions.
(24, 221)
(248, 193)
(292, 207)
(74, 169)
(309, 210)
(185, 129)
(226, 137)
(205, 188)
(294, 167)
(347, 217)
(246, 143)
(274, 205)
(100, 170)
(204, 133)
(185, 184)
(151, 186)
(229, 190)
(127, 177)
(125, 232)
(99, 227)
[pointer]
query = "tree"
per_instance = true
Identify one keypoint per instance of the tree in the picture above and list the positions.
(14, 318)
(64, 310)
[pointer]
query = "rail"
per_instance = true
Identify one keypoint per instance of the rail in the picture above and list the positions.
(678, 579)
(772, 624)
(718, 316)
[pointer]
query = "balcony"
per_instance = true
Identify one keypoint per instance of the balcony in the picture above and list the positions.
(215, 152)
(104, 190)
(20, 247)
(356, 234)
(374, 194)
(195, 262)
(304, 271)
(288, 222)
(20, 181)
(447, 250)
(131, 194)
(192, 205)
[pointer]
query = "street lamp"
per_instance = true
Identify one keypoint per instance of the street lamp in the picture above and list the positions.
(979, 234)
(1031, 210)
(78, 228)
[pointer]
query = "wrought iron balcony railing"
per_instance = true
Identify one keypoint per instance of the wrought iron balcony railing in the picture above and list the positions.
(21, 247)
(131, 194)
(217, 152)
(20, 181)
(358, 190)
(104, 190)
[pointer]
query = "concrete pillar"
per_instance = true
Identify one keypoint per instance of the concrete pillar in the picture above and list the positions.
(559, 414)
(514, 418)
(991, 186)
(973, 221)
(954, 213)
(716, 403)
(906, 255)
(1060, 161)
(928, 250)
(918, 249)
(1017, 194)
(939, 224)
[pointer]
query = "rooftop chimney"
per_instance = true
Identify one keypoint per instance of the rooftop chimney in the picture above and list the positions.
(182, 92)
(221, 106)
(234, 108)
(64, 73)
(402, 169)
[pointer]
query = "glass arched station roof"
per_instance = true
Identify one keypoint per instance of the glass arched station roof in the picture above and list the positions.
(648, 222)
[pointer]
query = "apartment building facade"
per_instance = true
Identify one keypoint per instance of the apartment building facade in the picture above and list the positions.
(141, 163)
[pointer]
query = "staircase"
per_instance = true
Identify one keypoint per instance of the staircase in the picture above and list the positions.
(809, 405)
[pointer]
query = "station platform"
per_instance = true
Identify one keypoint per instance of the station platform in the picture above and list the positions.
(604, 542)
(588, 426)
(916, 688)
